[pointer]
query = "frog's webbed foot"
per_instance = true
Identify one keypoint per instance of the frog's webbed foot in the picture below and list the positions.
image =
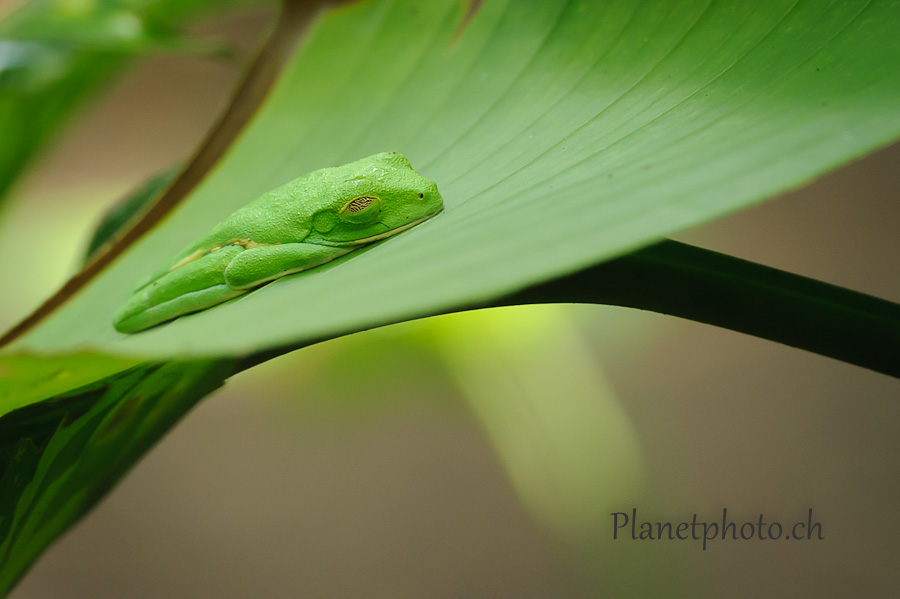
(216, 277)
(195, 286)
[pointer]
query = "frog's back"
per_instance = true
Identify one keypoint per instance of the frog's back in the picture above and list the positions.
(285, 214)
(278, 216)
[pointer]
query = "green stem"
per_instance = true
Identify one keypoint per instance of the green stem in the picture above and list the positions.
(702, 285)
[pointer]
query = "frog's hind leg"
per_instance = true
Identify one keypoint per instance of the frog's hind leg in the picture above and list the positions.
(263, 263)
(195, 286)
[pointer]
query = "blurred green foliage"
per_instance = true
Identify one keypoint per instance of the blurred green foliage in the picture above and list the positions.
(57, 54)
(539, 393)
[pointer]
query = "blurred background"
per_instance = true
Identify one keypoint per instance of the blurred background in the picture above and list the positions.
(481, 454)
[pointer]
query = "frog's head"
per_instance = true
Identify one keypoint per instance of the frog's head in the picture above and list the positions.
(371, 199)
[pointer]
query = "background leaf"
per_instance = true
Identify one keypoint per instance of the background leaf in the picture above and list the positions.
(117, 217)
(61, 456)
(55, 55)
(26, 379)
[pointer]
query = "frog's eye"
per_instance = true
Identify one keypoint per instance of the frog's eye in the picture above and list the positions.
(358, 204)
(361, 210)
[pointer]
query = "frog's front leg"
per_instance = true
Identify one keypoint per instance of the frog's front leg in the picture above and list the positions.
(264, 263)
(195, 286)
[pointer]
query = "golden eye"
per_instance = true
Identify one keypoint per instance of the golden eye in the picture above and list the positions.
(359, 204)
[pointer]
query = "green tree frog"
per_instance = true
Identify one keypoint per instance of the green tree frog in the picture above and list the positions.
(298, 226)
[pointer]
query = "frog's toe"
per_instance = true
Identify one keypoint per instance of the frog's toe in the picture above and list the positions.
(137, 317)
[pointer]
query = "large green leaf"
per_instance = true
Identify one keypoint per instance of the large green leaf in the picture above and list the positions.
(560, 133)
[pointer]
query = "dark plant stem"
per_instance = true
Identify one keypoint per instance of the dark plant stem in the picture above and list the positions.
(706, 286)
(682, 280)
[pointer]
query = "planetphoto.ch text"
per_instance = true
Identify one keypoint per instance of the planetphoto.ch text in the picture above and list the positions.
(627, 526)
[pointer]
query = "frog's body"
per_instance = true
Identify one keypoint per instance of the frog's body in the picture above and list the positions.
(302, 224)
